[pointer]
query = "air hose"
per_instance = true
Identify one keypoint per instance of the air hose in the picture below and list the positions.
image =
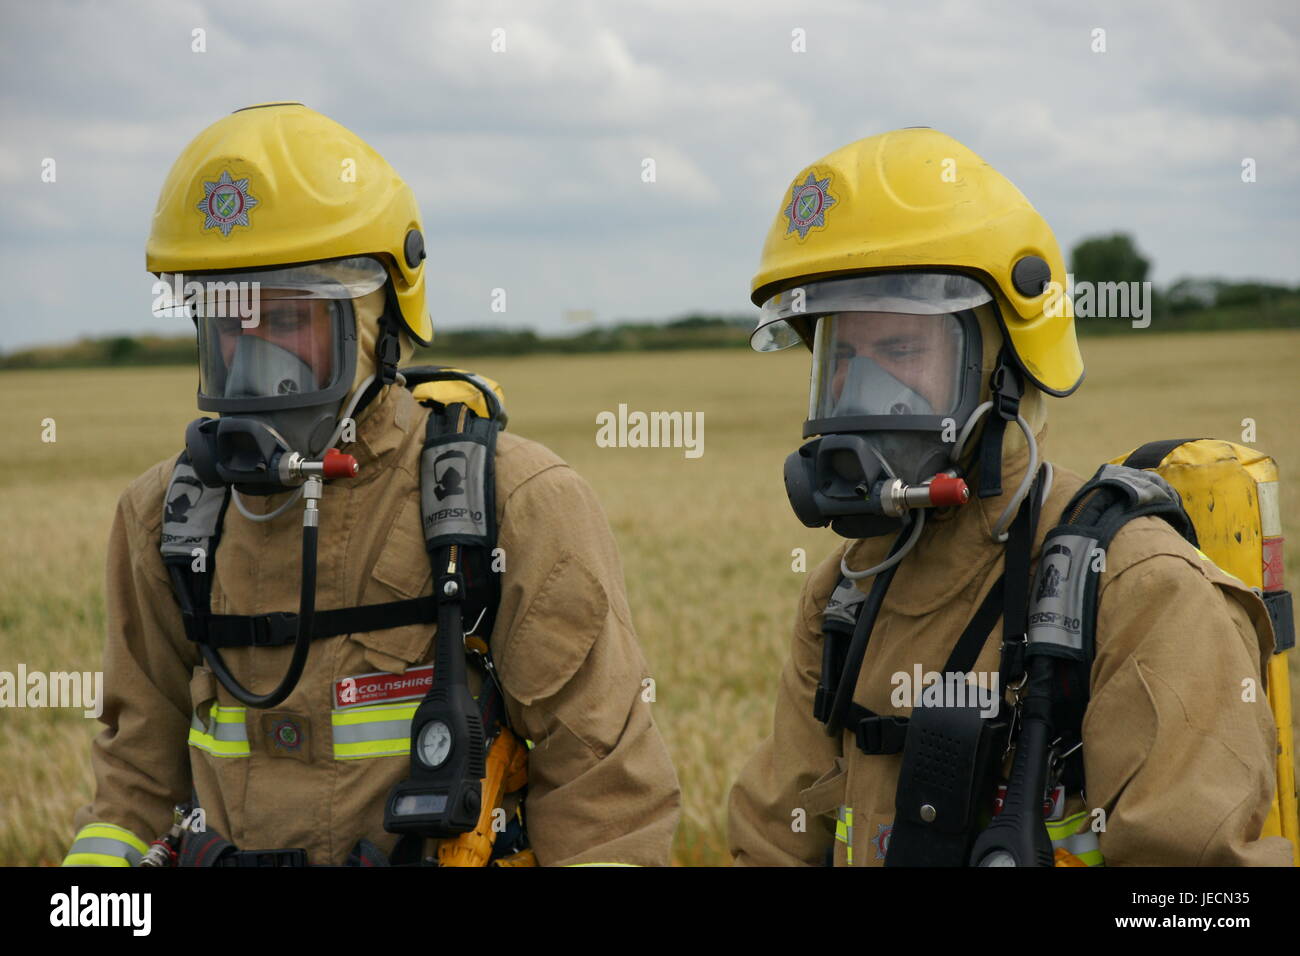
(862, 632)
(312, 490)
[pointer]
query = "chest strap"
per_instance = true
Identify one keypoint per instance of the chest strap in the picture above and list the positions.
(279, 628)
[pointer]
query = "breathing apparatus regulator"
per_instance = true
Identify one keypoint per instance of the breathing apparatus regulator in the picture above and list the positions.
(894, 400)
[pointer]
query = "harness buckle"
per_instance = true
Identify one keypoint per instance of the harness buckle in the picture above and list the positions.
(274, 629)
(882, 735)
(822, 703)
(1012, 664)
(1005, 389)
(264, 858)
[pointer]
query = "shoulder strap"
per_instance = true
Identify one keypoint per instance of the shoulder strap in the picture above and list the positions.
(1063, 611)
(458, 504)
(191, 529)
(1154, 452)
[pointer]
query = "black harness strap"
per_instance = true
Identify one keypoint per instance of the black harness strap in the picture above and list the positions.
(1153, 453)
(281, 627)
(1006, 388)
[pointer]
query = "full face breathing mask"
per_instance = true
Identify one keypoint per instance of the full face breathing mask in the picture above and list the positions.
(894, 391)
(277, 358)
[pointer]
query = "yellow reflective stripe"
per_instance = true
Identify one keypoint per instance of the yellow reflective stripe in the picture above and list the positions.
(1085, 845)
(105, 844)
(844, 825)
(112, 831)
(223, 735)
(374, 730)
(1060, 829)
(93, 859)
(377, 748)
(369, 713)
(844, 831)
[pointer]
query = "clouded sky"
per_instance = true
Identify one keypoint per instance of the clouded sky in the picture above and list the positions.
(527, 163)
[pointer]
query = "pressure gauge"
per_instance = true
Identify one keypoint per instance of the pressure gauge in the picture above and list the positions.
(434, 743)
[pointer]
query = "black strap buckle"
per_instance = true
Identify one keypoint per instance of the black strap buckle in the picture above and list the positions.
(822, 703)
(389, 352)
(882, 735)
(1282, 614)
(1012, 664)
(1004, 385)
(264, 858)
(274, 629)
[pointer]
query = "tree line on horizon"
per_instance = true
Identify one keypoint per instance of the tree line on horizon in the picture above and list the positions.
(1189, 304)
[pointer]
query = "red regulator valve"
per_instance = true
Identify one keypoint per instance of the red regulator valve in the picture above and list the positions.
(948, 492)
(338, 465)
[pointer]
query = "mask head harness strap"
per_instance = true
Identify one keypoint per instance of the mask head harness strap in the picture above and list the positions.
(1006, 387)
(388, 348)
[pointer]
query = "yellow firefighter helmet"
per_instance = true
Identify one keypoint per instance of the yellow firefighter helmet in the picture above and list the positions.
(916, 199)
(279, 184)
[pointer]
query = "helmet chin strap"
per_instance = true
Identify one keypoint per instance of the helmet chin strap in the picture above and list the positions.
(388, 353)
(1007, 387)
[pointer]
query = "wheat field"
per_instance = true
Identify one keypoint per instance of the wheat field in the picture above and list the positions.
(706, 541)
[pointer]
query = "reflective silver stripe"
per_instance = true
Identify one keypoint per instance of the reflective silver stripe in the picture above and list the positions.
(231, 728)
(378, 730)
(375, 730)
(107, 847)
(228, 737)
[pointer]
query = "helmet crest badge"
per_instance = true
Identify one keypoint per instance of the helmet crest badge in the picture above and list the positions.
(809, 201)
(225, 203)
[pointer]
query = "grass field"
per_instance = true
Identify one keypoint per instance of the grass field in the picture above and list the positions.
(706, 542)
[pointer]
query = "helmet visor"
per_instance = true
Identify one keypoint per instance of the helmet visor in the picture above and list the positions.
(278, 334)
(787, 318)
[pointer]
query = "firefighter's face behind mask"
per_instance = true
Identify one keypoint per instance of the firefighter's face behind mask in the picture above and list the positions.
(895, 376)
(278, 357)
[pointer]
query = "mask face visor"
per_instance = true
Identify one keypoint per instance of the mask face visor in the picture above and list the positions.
(890, 351)
(275, 338)
(886, 364)
(294, 350)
